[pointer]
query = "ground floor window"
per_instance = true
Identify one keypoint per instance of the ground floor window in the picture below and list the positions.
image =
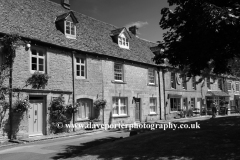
(119, 106)
(85, 109)
(192, 103)
(153, 105)
(185, 104)
(175, 104)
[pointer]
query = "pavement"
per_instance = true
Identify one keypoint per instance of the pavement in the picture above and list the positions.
(81, 132)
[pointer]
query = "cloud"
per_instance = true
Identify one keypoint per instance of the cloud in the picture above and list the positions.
(139, 24)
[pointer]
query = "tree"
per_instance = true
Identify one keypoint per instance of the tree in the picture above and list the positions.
(203, 36)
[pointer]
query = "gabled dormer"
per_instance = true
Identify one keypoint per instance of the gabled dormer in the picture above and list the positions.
(66, 23)
(121, 37)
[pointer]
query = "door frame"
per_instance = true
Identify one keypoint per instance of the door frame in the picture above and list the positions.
(44, 113)
(138, 100)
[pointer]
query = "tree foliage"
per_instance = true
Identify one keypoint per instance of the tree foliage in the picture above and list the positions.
(203, 36)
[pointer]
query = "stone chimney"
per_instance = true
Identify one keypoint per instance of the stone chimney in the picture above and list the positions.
(133, 29)
(66, 4)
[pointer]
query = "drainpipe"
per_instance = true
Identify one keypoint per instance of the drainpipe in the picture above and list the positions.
(10, 100)
(164, 94)
(159, 90)
(102, 91)
(73, 85)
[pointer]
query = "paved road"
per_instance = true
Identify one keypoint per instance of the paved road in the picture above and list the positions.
(59, 148)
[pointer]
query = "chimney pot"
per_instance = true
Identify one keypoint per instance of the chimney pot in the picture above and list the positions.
(133, 29)
(66, 4)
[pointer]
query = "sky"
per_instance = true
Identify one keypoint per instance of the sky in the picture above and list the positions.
(124, 13)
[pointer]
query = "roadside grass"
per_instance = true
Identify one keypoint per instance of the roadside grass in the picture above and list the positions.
(216, 139)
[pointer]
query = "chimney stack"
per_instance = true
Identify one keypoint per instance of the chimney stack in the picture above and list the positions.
(133, 29)
(66, 4)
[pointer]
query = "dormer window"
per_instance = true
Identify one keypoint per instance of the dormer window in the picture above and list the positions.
(123, 41)
(70, 29)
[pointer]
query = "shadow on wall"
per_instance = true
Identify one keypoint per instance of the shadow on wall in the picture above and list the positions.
(17, 120)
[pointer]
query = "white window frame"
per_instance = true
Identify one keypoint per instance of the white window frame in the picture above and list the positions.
(194, 86)
(80, 68)
(151, 76)
(123, 41)
(116, 72)
(37, 56)
(153, 105)
(119, 101)
(184, 83)
(237, 84)
(73, 36)
(229, 82)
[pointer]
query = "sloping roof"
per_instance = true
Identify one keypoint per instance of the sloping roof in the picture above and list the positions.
(35, 19)
(217, 94)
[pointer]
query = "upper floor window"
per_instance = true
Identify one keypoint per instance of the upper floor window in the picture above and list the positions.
(237, 86)
(80, 67)
(70, 29)
(184, 83)
(220, 84)
(151, 76)
(229, 85)
(37, 60)
(194, 83)
(173, 80)
(208, 83)
(123, 41)
(118, 72)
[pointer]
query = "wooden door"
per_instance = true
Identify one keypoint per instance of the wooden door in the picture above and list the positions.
(137, 109)
(35, 118)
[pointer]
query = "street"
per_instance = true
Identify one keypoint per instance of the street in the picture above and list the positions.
(59, 148)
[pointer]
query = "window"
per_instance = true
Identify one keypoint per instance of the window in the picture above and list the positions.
(80, 67)
(151, 76)
(185, 104)
(118, 72)
(173, 81)
(37, 60)
(220, 84)
(85, 109)
(237, 86)
(153, 105)
(175, 104)
(70, 29)
(194, 83)
(184, 83)
(123, 41)
(208, 83)
(229, 84)
(119, 106)
(192, 103)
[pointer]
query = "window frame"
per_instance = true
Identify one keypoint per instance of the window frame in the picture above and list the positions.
(118, 100)
(220, 85)
(184, 83)
(209, 83)
(154, 106)
(91, 110)
(193, 105)
(229, 82)
(237, 84)
(123, 41)
(70, 35)
(153, 76)
(194, 86)
(173, 80)
(115, 72)
(80, 65)
(179, 104)
(37, 49)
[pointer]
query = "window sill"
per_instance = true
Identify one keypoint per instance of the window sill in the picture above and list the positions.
(152, 114)
(81, 78)
(70, 36)
(120, 116)
(33, 71)
(118, 82)
(82, 120)
(153, 85)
